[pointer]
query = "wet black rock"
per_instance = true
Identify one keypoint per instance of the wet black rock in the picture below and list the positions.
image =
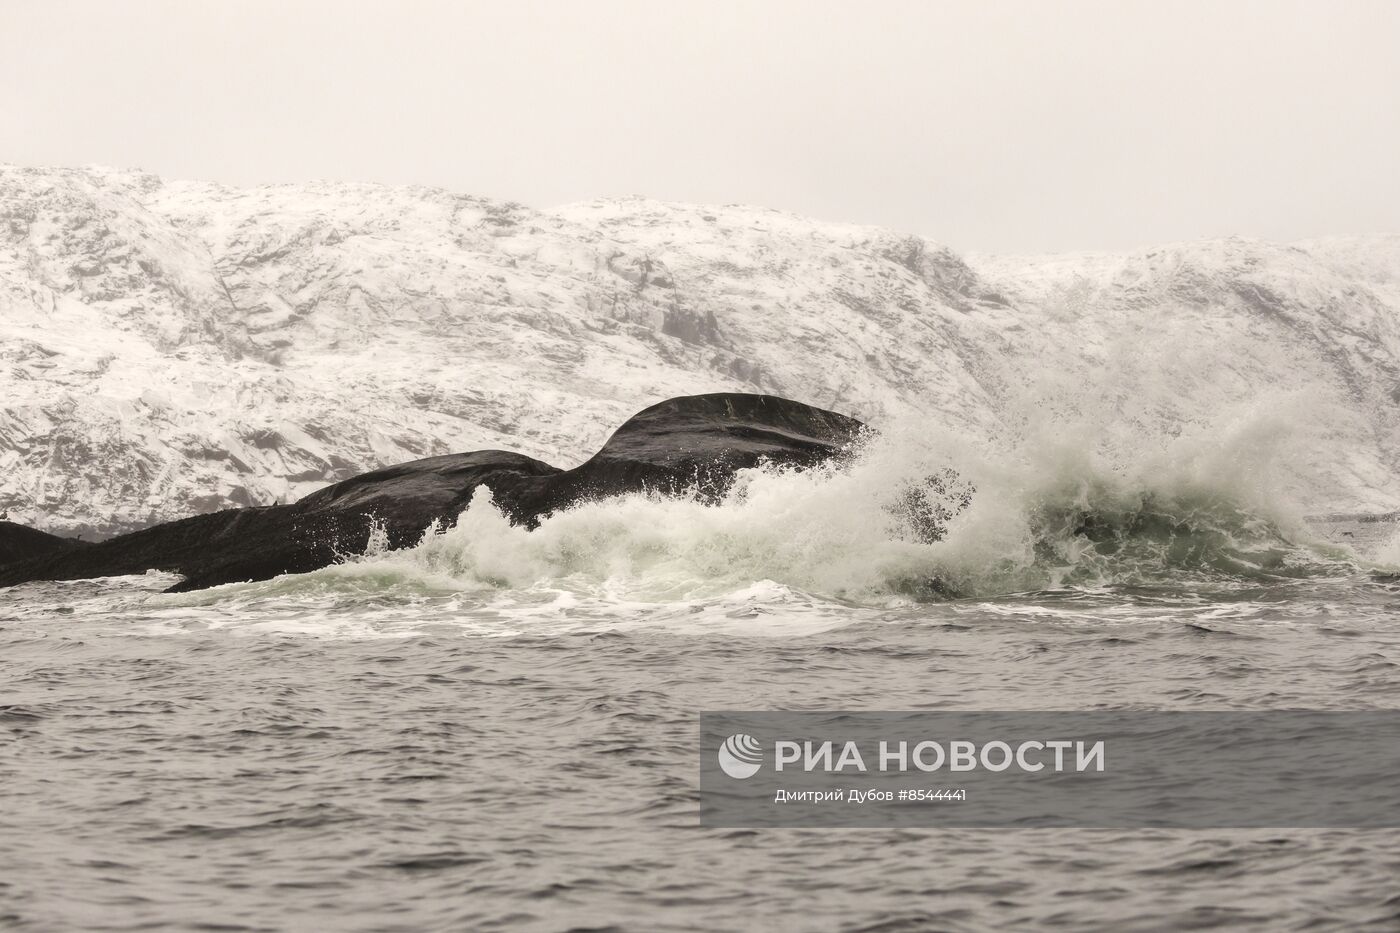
(695, 443)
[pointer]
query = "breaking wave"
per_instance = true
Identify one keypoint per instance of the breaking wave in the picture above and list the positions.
(918, 514)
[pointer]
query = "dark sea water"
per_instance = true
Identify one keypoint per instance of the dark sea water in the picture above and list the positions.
(369, 752)
(498, 728)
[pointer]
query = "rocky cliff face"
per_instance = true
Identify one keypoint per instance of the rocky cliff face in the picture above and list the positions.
(168, 348)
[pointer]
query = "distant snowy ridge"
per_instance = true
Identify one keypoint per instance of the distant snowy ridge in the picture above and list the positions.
(177, 347)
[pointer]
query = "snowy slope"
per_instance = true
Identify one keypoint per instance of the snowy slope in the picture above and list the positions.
(174, 347)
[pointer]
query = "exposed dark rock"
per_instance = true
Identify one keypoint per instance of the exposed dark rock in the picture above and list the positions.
(20, 544)
(696, 442)
(691, 326)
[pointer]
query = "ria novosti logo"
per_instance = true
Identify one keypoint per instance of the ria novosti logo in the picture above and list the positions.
(740, 756)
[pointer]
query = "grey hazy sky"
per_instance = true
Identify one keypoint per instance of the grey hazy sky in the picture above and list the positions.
(988, 125)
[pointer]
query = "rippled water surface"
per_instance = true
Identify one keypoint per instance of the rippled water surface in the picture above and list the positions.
(370, 755)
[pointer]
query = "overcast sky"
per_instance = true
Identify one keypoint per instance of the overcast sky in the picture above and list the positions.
(992, 126)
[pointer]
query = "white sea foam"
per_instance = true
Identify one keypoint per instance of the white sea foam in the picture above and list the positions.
(1388, 555)
(1068, 499)
(1097, 477)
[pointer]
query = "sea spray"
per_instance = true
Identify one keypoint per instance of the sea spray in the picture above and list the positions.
(1061, 502)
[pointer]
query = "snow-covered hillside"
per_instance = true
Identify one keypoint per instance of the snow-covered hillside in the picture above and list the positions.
(176, 347)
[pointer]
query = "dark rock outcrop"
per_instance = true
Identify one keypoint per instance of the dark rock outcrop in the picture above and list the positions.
(697, 442)
(19, 544)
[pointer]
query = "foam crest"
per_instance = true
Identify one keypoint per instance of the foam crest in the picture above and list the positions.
(1060, 500)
